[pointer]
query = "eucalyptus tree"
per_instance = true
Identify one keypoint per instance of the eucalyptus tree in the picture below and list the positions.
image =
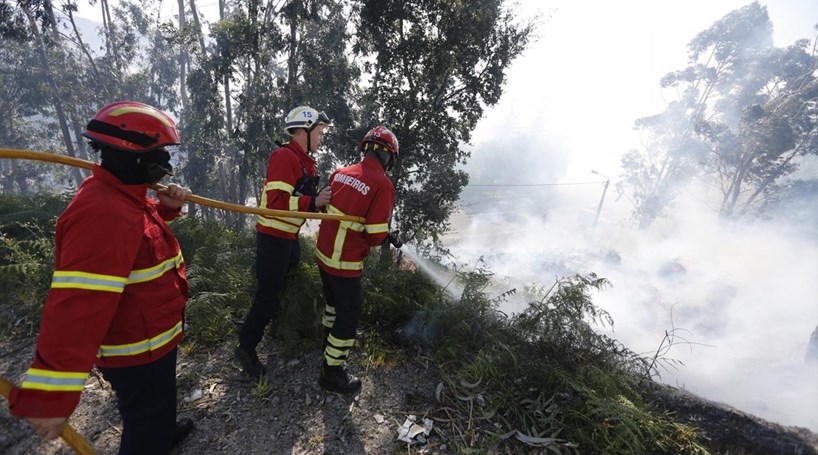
(42, 25)
(744, 114)
(277, 56)
(19, 96)
(435, 65)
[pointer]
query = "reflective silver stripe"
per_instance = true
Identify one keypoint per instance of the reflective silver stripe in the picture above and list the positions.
(329, 309)
(141, 346)
(294, 203)
(54, 380)
(338, 354)
(142, 275)
(84, 280)
(376, 228)
(340, 343)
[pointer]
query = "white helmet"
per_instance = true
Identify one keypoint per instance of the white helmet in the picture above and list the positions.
(304, 117)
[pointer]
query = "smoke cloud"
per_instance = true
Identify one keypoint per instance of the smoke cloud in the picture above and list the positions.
(741, 296)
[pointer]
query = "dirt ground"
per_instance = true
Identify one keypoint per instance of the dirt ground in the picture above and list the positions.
(235, 416)
(294, 416)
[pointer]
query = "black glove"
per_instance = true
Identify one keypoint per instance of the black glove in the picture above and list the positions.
(394, 238)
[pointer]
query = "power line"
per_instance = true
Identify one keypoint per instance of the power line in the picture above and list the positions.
(535, 184)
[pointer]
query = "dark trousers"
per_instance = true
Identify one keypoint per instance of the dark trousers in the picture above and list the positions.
(274, 258)
(346, 296)
(146, 399)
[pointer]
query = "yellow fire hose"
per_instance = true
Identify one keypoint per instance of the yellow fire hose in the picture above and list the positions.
(54, 158)
(69, 435)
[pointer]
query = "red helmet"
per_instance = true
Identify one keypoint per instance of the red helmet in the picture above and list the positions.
(132, 126)
(382, 136)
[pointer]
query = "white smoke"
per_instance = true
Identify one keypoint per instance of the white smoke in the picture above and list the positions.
(744, 294)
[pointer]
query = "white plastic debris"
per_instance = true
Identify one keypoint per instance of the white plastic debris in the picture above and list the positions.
(428, 424)
(378, 418)
(410, 431)
(194, 395)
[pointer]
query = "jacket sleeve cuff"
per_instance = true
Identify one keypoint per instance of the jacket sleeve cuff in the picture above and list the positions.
(168, 214)
(38, 403)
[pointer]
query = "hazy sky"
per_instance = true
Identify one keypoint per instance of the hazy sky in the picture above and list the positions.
(597, 66)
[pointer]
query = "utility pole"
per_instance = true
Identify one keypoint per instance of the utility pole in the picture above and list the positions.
(601, 199)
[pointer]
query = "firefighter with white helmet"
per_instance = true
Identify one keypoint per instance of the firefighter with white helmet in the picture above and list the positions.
(291, 184)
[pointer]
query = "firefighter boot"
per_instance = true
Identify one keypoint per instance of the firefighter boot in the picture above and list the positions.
(250, 363)
(183, 428)
(338, 380)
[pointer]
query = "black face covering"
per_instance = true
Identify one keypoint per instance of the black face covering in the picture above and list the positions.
(387, 159)
(137, 168)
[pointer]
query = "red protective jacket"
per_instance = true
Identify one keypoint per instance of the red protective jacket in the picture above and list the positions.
(286, 166)
(117, 296)
(359, 190)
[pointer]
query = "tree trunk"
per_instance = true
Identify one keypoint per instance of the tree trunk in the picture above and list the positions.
(58, 107)
(183, 57)
(98, 79)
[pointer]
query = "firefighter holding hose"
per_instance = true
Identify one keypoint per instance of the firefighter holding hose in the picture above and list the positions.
(363, 190)
(119, 290)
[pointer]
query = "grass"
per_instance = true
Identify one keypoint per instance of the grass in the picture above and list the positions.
(541, 381)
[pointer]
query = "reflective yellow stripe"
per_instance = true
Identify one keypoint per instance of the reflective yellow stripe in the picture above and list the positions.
(376, 228)
(276, 224)
(358, 227)
(151, 273)
(279, 185)
(54, 381)
(341, 343)
(141, 110)
(333, 362)
(335, 352)
(286, 224)
(64, 279)
(152, 344)
(83, 280)
(340, 265)
(329, 309)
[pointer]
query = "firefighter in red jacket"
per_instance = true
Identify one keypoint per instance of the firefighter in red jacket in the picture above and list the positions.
(118, 292)
(291, 184)
(362, 190)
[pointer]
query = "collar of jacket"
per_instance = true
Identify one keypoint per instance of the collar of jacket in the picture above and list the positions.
(135, 192)
(306, 160)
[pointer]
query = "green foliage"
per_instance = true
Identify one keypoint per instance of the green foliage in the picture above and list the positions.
(298, 326)
(220, 270)
(437, 65)
(26, 258)
(543, 378)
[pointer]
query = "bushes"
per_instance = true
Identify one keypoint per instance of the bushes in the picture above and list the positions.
(541, 380)
(26, 258)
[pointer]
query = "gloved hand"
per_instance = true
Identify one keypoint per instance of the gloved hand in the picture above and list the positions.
(394, 238)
